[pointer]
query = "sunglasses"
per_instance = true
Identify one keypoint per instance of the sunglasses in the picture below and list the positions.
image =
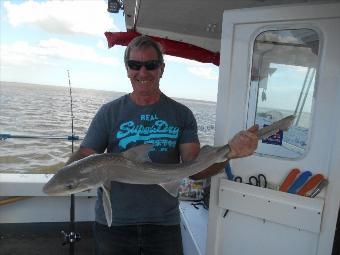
(149, 65)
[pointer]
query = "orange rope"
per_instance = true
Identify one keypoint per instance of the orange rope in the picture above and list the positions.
(10, 200)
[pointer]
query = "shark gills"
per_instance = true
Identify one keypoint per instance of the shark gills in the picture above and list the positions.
(134, 166)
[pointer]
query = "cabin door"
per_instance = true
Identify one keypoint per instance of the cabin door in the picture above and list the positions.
(277, 61)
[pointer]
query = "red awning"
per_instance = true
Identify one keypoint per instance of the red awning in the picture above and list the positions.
(170, 47)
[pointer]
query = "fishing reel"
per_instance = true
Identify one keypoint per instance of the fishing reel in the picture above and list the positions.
(71, 237)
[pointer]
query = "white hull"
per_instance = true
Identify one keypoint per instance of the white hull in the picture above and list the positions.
(35, 206)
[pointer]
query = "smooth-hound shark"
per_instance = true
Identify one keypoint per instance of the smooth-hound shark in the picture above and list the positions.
(134, 166)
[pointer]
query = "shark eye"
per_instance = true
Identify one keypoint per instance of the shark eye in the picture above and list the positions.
(71, 185)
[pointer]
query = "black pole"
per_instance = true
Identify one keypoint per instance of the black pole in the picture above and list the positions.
(72, 237)
(72, 209)
(72, 228)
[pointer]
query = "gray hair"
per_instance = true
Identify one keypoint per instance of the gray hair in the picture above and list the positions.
(142, 42)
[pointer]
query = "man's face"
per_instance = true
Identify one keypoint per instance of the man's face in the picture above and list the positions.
(145, 82)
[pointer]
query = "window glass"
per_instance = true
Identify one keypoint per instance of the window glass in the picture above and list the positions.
(284, 67)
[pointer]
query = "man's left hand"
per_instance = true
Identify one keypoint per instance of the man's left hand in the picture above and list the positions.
(244, 143)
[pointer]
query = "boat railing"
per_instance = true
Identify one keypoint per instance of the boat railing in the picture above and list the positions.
(70, 137)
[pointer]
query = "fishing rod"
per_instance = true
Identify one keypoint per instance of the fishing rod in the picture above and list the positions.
(72, 237)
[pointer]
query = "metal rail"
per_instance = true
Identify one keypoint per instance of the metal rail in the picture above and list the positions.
(70, 137)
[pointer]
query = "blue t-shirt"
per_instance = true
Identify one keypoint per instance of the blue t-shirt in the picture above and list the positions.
(122, 124)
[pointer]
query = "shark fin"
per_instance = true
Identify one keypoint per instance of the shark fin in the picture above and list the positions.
(107, 203)
(171, 187)
(138, 153)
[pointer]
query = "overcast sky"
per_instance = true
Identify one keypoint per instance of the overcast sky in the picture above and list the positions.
(41, 40)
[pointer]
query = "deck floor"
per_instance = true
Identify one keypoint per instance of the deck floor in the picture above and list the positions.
(43, 238)
(46, 238)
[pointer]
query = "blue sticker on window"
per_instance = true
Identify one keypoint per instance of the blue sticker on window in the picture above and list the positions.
(275, 139)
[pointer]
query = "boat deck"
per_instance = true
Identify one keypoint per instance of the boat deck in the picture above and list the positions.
(46, 238)
(43, 238)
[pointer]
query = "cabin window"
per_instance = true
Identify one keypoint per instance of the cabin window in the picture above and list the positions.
(283, 71)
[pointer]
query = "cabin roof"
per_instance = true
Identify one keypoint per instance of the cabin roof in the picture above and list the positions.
(197, 22)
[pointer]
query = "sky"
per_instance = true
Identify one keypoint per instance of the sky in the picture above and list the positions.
(41, 40)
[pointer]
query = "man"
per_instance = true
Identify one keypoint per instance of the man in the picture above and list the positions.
(145, 217)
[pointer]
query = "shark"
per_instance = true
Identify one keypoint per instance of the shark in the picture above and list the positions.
(134, 166)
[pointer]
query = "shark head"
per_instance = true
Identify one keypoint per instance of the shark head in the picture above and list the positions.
(71, 179)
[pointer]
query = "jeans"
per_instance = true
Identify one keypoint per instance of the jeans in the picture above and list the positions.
(143, 239)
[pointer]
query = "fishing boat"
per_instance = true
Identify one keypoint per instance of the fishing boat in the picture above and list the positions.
(275, 58)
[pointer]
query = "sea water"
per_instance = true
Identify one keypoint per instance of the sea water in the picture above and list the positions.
(40, 110)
